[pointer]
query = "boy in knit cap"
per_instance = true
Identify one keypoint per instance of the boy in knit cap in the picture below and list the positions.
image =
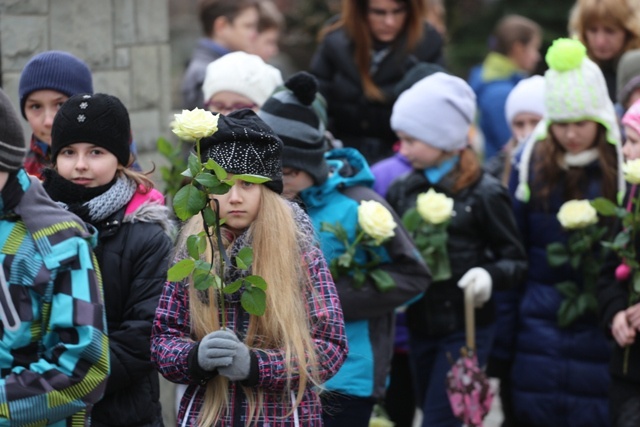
(432, 120)
(46, 82)
(52, 316)
(331, 185)
(228, 26)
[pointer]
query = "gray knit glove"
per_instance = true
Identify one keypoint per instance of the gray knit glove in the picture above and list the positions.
(217, 349)
(240, 366)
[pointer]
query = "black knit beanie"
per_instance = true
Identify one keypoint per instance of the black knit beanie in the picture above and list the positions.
(244, 144)
(12, 146)
(98, 119)
(291, 114)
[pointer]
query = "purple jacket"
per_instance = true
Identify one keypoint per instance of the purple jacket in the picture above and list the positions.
(387, 170)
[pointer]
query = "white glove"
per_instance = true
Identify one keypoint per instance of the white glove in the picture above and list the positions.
(482, 284)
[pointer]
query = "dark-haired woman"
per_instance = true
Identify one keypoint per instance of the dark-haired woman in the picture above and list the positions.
(361, 57)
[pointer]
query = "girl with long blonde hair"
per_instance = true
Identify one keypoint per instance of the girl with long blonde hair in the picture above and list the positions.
(252, 370)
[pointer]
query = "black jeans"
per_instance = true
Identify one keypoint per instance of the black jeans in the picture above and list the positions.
(339, 410)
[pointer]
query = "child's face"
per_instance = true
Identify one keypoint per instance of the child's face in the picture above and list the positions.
(575, 137)
(605, 41)
(294, 181)
(523, 124)
(40, 108)
(226, 102)
(266, 45)
(631, 147)
(240, 206)
(420, 154)
(86, 164)
(239, 34)
(527, 56)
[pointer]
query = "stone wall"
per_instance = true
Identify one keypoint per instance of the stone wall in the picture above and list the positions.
(124, 42)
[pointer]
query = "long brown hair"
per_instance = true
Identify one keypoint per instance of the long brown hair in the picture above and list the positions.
(468, 170)
(354, 19)
(547, 158)
(284, 325)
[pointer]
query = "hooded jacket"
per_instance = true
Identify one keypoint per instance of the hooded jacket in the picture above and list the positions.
(369, 314)
(482, 233)
(54, 357)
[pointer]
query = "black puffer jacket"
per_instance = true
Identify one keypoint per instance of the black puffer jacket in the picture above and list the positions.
(350, 113)
(482, 233)
(133, 253)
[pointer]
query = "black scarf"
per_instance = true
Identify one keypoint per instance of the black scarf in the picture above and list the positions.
(10, 196)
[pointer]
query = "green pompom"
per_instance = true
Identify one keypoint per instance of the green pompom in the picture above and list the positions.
(565, 54)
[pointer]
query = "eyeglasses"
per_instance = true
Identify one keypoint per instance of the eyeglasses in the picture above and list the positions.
(220, 107)
(382, 13)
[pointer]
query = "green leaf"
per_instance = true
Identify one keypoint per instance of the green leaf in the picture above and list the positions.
(192, 247)
(202, 280)
(233, 286)
(254, 301)
(257, 281)
(207, 180)
(345, 259)
(164, 147)
(605, 207)
(575, 261)
(557, 254)
(383, 280)
(244, 258)
(636, 282)
(180, 270)
(358, 278)
(209, 216)
(194, 164)
(568, 289)
(621, 240)
(411, 219)
(255, 179)
(219, 172)
(567, 313)
(188, 201)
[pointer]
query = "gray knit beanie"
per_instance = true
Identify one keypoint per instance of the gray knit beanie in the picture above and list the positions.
(438, 110)
(12, 146)
(292, 114)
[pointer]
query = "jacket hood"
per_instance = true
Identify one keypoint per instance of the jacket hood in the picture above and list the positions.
(149, 207)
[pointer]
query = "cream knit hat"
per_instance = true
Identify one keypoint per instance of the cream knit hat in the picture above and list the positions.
(575, 90)
(242, 73)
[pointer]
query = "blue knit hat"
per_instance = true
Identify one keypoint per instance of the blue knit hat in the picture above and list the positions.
(54, 70)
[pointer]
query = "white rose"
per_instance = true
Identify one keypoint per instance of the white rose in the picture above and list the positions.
(376, 220)
(576, 214)
(195, 124)
(434, 207)
(631, 171)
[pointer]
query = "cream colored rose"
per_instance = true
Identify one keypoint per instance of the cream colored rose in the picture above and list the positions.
(631, 171)
(195, 124)
(576, 214)
(376, 220)
(434, 207)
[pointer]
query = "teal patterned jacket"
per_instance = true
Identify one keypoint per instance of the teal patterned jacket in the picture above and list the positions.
(54, 353)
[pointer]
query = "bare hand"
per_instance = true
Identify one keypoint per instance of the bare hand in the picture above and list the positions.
(621, 330)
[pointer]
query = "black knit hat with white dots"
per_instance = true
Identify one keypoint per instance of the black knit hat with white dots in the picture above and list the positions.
(98, 119)
(244, 144)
